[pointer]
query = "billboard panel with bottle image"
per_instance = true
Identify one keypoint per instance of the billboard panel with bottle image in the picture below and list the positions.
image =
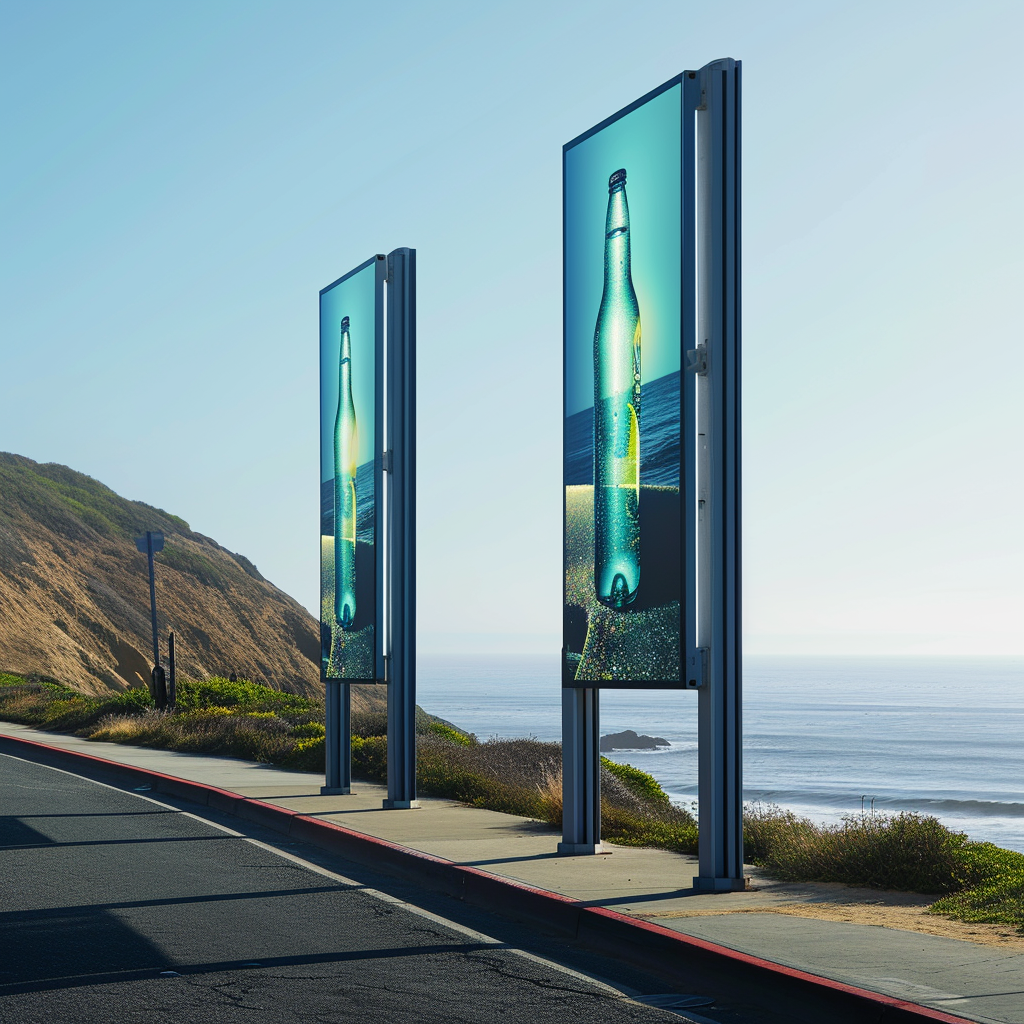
(623, 323)
(351, 346)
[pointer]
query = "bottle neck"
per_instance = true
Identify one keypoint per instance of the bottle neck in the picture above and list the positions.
(616, 239)
(345, 365)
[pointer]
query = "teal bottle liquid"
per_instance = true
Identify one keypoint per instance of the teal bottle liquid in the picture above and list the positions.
(345, 442)
(617, 414)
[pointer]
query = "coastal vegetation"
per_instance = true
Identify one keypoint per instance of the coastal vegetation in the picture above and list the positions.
(910, 852)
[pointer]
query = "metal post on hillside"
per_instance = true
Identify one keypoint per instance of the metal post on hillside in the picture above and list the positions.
(172, 678)
(149, 546)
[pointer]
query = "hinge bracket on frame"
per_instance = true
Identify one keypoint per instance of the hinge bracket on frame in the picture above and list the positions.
(697, 668)
(697, 360)
(702, 102)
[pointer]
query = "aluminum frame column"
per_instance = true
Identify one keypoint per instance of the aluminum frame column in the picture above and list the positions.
(719, 627)
(401, 576)
(581, 771)
(338, 742)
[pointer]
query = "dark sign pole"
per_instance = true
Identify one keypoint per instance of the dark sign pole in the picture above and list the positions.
(149, 545)
(172, 679)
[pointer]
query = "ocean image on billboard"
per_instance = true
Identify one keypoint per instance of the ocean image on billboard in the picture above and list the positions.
(622, 399)
(348, 339)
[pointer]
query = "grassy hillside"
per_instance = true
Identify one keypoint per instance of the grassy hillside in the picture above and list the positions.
(74, 593)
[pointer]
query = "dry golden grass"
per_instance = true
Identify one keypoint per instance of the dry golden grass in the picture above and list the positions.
(117, 729)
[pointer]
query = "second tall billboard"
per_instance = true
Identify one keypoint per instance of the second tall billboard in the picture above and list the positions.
(622, 199)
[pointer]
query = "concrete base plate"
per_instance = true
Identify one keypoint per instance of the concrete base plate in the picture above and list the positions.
(335, 790)
(708, 883)
(581, 849)
(400, 805)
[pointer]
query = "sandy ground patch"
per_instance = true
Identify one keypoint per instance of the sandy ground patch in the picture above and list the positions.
(832, 902)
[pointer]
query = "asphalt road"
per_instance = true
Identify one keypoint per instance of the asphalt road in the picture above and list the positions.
(114, 907)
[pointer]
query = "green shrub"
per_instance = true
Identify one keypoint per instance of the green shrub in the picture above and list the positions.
(911, 852)
(666, 828)
(994, 887)
(767, 827)
(255, 736)
(58, 708)
(369, 723)
(308, 755)
(309, 730)
(449, 732)
(370, 758)
(482, 775)
(242, 693)
(636, 781)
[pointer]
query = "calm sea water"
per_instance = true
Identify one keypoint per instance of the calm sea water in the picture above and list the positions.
(659, 436)
(364, 504)
(939, 736)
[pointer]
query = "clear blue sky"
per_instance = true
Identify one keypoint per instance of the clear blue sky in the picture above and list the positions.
(178, 181)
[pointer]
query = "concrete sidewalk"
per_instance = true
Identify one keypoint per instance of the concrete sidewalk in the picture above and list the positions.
(980, 982)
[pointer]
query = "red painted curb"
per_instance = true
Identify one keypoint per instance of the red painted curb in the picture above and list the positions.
(596, 927)
(599, 926)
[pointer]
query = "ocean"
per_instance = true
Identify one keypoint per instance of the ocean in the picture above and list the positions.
(823, 737)
(659, 436)
(364, 504)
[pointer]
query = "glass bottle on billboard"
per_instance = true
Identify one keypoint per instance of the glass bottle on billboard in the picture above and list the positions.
(345, 450)
(617, 414)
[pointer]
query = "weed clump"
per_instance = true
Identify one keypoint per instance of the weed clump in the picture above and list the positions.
(912, 852)
(909, 852)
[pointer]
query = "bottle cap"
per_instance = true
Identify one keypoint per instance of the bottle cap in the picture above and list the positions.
(617, 179)
(344, 323)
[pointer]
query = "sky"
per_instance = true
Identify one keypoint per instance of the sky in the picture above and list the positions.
(178, 182)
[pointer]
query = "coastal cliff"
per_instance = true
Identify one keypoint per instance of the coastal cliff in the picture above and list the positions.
(74, 593)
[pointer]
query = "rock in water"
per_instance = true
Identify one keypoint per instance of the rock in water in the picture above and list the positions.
(629, 740)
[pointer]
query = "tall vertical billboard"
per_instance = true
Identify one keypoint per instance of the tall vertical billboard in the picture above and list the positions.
(623, 591)
(351, 361)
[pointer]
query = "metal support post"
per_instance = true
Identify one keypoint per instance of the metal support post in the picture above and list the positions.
(149, 546)
(581, 771)
(401, 443)
(720, 757)
(152, 598)
(338, 745)
(172, 675)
